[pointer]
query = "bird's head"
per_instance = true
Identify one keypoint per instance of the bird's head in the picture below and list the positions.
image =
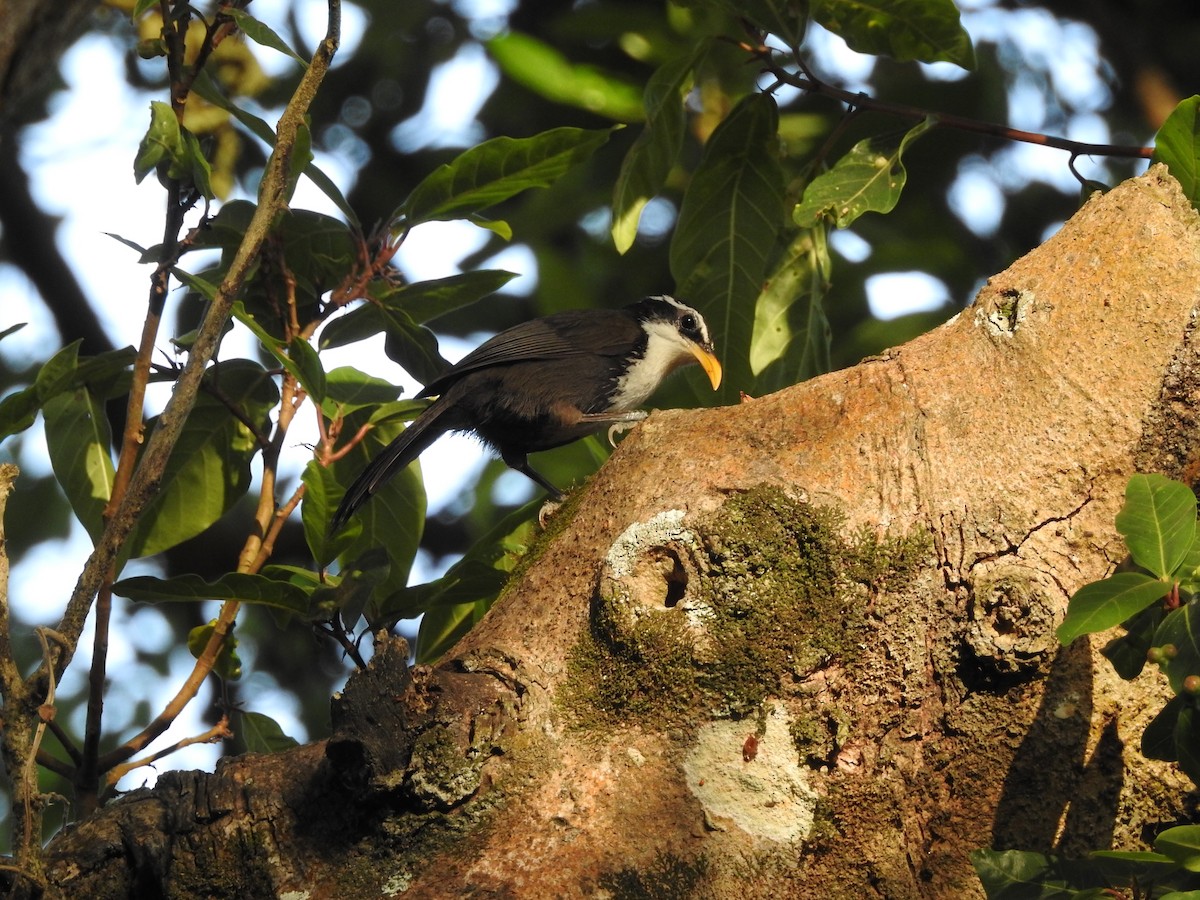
(677, 335)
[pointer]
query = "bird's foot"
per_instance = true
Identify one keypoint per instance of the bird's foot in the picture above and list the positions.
(549, 508)
(623, 426)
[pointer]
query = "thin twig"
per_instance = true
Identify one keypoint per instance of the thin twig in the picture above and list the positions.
(29, 777)
(277, 522)
(217, 733)
(65, 741)
(812, 85)
(335, 629)
(335, 455)
(54, 764)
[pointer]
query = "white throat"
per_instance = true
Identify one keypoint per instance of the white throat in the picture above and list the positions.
(665, 352)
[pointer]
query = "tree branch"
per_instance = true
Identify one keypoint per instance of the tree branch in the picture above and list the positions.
(812, 85)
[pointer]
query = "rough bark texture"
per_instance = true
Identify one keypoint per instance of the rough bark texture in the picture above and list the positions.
(799, 648)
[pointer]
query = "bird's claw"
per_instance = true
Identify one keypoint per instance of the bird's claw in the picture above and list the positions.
(549, 508)
(620, 427)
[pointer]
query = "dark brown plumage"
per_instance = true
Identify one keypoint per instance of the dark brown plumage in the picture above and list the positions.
(547, 382)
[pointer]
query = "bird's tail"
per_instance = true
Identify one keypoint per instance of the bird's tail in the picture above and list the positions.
(407, 446)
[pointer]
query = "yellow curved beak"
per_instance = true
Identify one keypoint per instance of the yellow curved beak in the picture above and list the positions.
(709, 362)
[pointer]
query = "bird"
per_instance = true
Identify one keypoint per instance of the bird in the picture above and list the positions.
(548, 382)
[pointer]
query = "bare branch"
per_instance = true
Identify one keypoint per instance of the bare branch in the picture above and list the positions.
(217, 733)
(805, 81)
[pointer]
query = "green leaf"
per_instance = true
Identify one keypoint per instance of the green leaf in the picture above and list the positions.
(167, 143)
(321, 493)
(1158, 522)
(1188, 571)
(311, 374)
(163, 141)
(496, 170)
(1180, 630)
(472, 579)
(209, 469)
(1181, 844)
(1025, 875)
(498, 227)
(202, 286)
(1178, 145)
(442, 626)
(646, 166)
(269, 342)
(397, 411)
(194, 166)
(1104, 604)
(415, 303)
(476, 578)
(351, 593)
(1158, 740)
(105, 376)
(261, 34)
(326, 186)
(427, 300)
(728, 224)
(143, 253)
(869, 178)
(59, 372)
(467, 581)
(1127, 653)
(541, 68)
(348, 389)
(790, 326)
(320, 251)
(305, 579)
(262, 734)
(786, 19)
(397, 313)
(18, 411)
(227, 664)
(413, 346)
(79, 441)
(299, 160)
(242, 587)
(906, 30)
(1127, 868)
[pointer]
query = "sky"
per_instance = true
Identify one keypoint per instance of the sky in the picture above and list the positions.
(89, 184)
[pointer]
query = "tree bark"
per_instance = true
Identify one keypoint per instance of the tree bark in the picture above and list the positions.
(802, 647)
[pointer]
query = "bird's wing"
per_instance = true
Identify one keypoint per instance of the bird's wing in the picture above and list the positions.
(559, 336)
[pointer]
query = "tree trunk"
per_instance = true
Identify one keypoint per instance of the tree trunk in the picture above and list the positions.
(802, 647)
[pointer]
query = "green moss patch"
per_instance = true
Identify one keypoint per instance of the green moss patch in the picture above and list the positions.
(774, 593)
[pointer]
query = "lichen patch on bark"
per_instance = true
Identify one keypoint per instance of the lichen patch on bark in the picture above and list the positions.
(765, 793)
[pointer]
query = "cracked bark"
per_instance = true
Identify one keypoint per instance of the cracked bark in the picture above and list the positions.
(938, 716)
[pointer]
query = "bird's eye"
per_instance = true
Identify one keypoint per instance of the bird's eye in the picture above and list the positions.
(688, 322)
